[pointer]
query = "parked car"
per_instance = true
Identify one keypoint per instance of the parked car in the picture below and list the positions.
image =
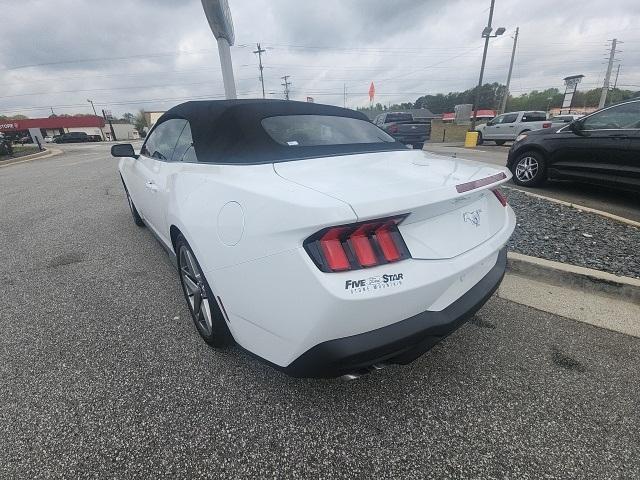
(404, 128)
(560, 120)
(311, 237)
(25, 139)
(48, 139)
(508, 126)
(72, 137)
(95, 138)
(603, 147)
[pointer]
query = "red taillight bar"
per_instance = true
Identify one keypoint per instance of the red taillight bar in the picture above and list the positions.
(465, 187)
(360, 245)
(387, 244)
(546, 125)
(332, 250)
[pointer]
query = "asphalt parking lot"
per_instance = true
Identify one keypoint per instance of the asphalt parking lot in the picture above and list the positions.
(104, 376)
(624, 204)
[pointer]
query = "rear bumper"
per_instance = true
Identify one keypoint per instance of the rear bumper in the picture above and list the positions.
(401, 342)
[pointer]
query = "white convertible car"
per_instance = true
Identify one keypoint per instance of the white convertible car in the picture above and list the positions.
(311, 238)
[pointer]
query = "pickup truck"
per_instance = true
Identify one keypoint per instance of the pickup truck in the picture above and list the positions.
(404, 128)
(72, 137)
(508, 126)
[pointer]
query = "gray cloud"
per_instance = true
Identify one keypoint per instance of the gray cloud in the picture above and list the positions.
(407, 47)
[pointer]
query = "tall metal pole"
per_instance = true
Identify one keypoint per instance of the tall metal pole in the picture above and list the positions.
(219, 17)
(476, 101)
(503, 104)
(607, 77)
(344, 95)
(227, 68)
(260, 51)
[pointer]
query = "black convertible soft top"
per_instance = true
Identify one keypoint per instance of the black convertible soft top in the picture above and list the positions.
(231, 131)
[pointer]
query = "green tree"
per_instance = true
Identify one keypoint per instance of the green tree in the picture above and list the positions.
(128, 117)
(140, 123)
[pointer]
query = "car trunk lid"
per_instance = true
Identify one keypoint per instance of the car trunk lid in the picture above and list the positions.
(448, 201)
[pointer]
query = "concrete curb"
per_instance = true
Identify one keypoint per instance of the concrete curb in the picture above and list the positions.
(608, 215)
(34, 156)
(565, 275)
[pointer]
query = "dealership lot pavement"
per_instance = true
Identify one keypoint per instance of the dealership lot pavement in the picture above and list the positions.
(104, 376)
(624, 204)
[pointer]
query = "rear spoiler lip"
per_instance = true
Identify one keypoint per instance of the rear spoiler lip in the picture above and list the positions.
(483, 182)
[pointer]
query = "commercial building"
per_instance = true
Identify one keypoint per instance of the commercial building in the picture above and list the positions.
(51, 126)
(89, 124)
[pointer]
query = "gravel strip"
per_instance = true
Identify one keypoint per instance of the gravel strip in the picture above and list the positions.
(565, 234)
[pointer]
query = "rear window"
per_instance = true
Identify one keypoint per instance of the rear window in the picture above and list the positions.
(315, 130)
(398, 117)
(534, 117)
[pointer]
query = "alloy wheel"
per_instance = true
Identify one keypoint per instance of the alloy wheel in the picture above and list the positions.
(527, 169)
(195, 290)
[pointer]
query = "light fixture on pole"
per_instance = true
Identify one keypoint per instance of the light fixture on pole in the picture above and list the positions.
(219, 18)
(486, 34)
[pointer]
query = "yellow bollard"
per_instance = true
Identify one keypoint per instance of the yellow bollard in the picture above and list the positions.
(471, 139)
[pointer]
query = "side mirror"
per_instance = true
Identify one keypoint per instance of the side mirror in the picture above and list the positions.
(489, 123)
(123, 150)
(577, 128)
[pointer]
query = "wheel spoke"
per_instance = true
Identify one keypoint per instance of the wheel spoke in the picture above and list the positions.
(197, 301)
(191, 286)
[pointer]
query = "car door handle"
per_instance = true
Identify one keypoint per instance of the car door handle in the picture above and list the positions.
(151, 186)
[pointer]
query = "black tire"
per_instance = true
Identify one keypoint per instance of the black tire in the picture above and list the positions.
(418, 146)
(213, 330)
(480, 139)
(137, 219)
(500, 142)
(529, 169)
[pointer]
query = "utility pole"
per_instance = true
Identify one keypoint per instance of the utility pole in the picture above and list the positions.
(260, 51)
(503, 104)
(108, 119)
(344, 96)
(607, 77)
(486, 34)
(286, 84)
(95, 113)
(52, 112)
(615, 84)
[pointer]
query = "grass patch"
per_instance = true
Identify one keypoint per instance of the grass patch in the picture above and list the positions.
(20, 151)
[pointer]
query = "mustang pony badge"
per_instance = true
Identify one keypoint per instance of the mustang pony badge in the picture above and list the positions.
(472, 217)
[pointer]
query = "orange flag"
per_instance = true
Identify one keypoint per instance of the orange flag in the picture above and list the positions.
(372, 92)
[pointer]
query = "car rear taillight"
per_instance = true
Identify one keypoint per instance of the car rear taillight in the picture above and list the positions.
(500, 196)
(359, 245)
(392, 129)
(546, 125)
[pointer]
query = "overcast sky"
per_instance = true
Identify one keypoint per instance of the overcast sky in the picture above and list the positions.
(152, 54)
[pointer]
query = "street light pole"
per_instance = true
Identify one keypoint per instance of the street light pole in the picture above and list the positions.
(219, 18)
(96, 114)
(503, 105)
(486, 34)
